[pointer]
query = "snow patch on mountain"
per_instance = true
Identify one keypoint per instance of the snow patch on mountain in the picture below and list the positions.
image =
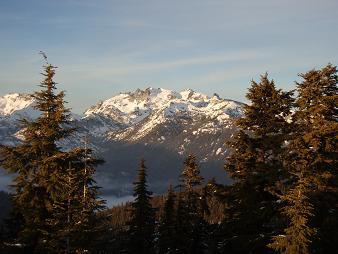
(15, 106)
(13, 102)
(181, 121)
(142, 111)
(133, 107)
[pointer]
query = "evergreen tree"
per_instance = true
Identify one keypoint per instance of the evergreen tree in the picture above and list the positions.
(36, 182)
(312, 199)
(142, 222)
(182, 226)
(167, 232)
(190, 209)
(298, 235)
(190, 177)
(255, 165)
(41, 170)
(74, 216)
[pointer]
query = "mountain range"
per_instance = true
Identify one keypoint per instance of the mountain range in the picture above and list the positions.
(160, 125)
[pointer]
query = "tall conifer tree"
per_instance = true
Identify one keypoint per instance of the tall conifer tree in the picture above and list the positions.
(36, 181)
(312, 198)
(182, 225)
(41, 166)
(256, 168)
(74, 216)
(142, 222)
(167, 232)
(189, 212)
(190, 177)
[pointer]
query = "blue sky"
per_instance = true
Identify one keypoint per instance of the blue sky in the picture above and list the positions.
(104, 47)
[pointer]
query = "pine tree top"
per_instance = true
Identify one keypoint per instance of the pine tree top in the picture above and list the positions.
(268, 109)
(318, 97)
(190, 176)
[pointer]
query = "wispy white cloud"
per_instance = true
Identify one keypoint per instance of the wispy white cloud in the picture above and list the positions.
(114, 69)
(252, 71)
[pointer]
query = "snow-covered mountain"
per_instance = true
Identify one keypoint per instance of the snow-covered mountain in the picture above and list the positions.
(133, 107)
(154, 123)
(17, 106)
(143, 114)
(14, 107)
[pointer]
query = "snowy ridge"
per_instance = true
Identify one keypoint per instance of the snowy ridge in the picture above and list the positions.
(17, 106)
(141, 111)
(183, 122)
(155, 123)
(13, 102)
(132, 108)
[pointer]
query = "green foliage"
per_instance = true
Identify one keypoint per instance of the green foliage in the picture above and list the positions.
(74, 216)
(190, 176)
(167, 230)
(142, 222)
(256, 168)
(41, 166)
(311, 159)
(36, 184)
(190, 223)
(298, 234)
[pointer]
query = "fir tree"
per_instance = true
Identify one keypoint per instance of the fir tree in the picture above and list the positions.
(41, 166)
(190, 177)
(87, 224)
(75, 209)
(142, 222)
(189, 211)
(311, 202)
(167, 232)
(298, 235)
(36, 182)
(182, 226)
(255, 165)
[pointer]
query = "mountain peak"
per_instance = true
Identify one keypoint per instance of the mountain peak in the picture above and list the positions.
(130, 108)
(182, 122)
(13, 102)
